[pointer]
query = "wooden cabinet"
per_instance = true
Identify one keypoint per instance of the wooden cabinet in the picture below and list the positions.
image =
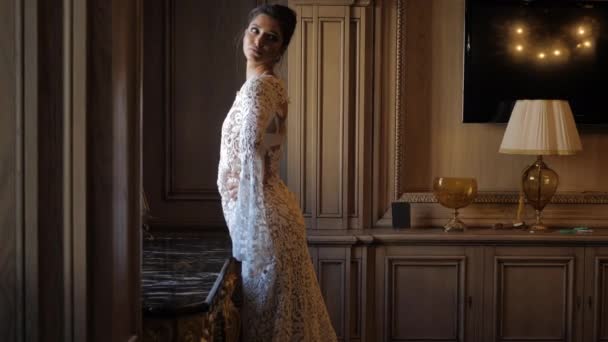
(595, 300)
(533, 293)
(340, 271)
(477, 286)
(425, 293)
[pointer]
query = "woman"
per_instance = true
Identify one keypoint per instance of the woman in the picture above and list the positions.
(282, 299)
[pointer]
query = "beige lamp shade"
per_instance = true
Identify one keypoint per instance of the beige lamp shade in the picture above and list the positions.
(541, 127)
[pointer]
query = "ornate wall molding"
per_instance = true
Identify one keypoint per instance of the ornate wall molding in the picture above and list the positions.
(332, 2)
(400, 51)
(511, 197)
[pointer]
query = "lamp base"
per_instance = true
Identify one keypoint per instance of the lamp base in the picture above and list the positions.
(539, 184)
(538, 226)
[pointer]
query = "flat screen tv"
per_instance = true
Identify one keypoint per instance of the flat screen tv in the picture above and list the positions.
(535, 49)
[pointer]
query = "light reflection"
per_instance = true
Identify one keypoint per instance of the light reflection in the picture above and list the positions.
(524, 42)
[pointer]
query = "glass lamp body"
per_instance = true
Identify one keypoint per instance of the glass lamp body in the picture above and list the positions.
(539, 183)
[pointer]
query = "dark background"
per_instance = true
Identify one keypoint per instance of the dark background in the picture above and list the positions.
(496, 75)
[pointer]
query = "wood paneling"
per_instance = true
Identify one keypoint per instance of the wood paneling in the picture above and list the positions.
(193, 67)
(600, 303)
(427, 292)
(330, 133)
(113, 170)
(331, 280)
(42, 172)
(595, 301)
(309, 123)
(518, 282)
(480, 285)
(329, 130)
(356, 282)
(387, 19)
(533, 293)
(51, 169)
(425, 298)
(340, 271)
(11, 191)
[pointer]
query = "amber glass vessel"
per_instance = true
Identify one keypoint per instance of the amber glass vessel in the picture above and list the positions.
(539, 183)
(455, 193)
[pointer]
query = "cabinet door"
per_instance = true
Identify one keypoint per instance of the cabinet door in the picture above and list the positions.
(340, 272)
(596, 294)
(424, 293)
(531, 293)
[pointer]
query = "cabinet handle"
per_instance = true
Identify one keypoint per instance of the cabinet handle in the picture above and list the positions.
(470, 301)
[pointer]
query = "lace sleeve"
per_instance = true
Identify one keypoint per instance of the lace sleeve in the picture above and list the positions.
(250, 236)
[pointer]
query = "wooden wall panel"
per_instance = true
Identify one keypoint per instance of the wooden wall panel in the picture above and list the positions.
(10, 190)
(356, 282)
(387, 17)
(341, 275)
(113, 183)
(332, 281)
(193, 67)
(51, 156)
(353, 135)
(309, 121)
(329, 132)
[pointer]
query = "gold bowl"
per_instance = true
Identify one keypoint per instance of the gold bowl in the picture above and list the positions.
(454, 193)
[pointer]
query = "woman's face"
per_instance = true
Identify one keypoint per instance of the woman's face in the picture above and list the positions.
(262, 43)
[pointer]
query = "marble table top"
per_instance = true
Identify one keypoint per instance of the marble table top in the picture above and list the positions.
(180, 273)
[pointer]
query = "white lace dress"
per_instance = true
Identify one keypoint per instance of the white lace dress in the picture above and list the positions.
(282, 299)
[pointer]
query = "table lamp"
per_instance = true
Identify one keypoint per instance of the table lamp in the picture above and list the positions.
(540, 127)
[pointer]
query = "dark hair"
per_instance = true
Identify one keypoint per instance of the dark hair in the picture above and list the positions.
(284, 15)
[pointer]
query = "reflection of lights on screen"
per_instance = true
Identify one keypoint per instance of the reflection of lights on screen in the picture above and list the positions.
(541, 55)
(557, 52)
(519, 30)
(579, 45)
(581, 30)
(587, 43)
(519, 47)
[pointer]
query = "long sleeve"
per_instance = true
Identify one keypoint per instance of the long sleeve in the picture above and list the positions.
(251, 238)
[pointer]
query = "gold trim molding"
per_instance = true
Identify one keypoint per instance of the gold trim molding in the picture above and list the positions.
(332, 2)
(400, 49)
(511, 197)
